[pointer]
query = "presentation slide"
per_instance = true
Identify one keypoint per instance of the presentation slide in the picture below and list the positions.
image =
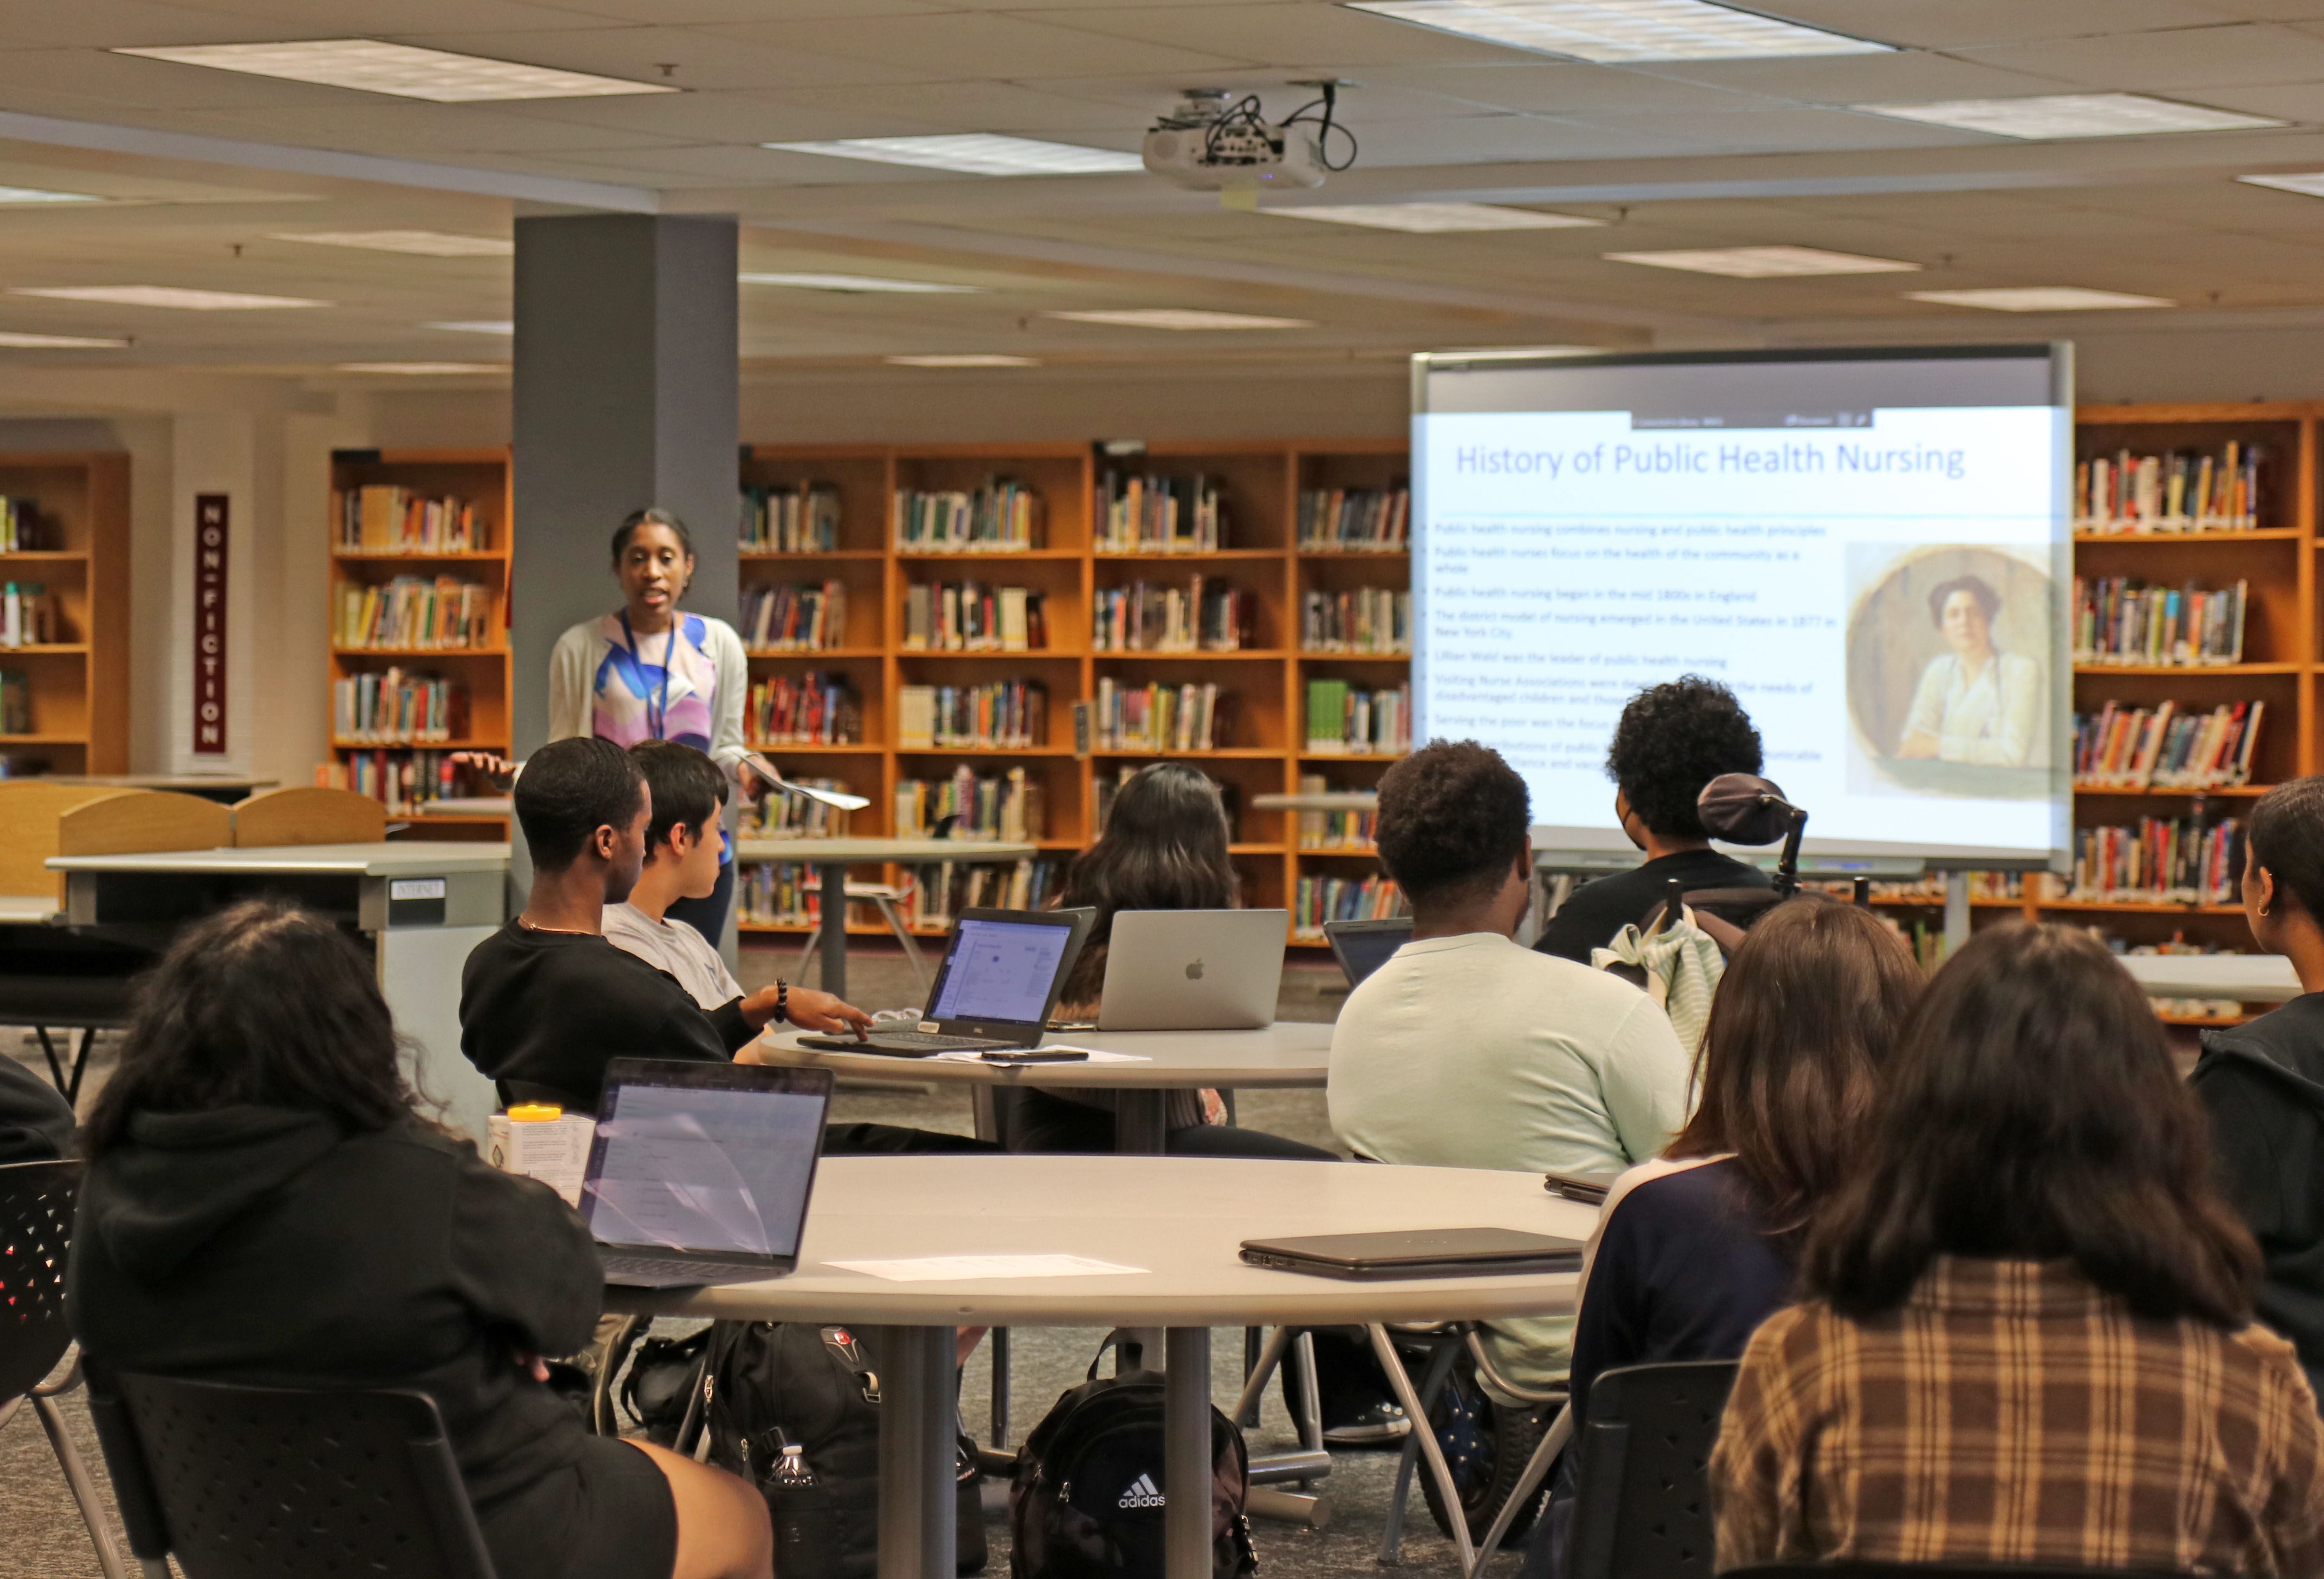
(1870, 548)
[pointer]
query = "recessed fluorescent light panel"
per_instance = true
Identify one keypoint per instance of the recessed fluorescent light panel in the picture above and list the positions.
(37, 195)
(1173, 318)
(426, 243)
(1436, 217)
(478, 326)
(372, 67)
(416, 369)
(975, 154)
(2310, 185)
(969, 359)
(2039, 299)
(167, 296)
(1614, 31)
(1765, 262)
(2070, 114)
(865, 285)
(59, 342)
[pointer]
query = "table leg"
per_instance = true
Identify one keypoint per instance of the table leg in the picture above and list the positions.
(917, 1447)
(1186, 1455)
(1140, 1124)
(834, 944)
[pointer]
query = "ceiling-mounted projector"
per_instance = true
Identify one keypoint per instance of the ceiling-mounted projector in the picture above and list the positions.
(1213, 141)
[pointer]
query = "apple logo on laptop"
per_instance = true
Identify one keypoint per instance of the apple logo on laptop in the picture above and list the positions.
(1194, 971)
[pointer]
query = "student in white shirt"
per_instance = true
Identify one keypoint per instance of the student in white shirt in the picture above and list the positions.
(1467, 1050)
(684, 843)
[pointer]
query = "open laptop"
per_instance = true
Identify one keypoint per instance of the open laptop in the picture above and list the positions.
(1416, 1252)
(1193, 970)
(700, 1173)
(1002, 974)
(1362, 947)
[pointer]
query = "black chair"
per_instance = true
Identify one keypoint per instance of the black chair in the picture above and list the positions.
(1642, 1504)
(36, 1218)
(265, 1483)
(1852, 1570)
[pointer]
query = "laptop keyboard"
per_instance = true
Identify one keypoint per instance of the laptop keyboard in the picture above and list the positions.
(688, 1270)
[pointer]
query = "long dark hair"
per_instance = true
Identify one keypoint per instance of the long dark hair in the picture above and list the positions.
(261, 1006)
(1805, 1022)
(1164, 848)
(2032, 1112)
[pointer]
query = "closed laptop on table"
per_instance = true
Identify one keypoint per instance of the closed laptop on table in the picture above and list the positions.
(1417, 1252)
(1193, 970)
(1000, 975)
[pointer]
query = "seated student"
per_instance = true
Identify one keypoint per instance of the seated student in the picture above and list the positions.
(1694, 1250)
(1673, 739)
(2264, 1082)
(265, 1204)
(684, 841)
(2027, 1336)
(1466, 1050)
(36, 1124)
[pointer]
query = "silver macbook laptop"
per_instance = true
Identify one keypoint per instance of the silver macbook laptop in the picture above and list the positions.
(1193, 970)
(700, 1173)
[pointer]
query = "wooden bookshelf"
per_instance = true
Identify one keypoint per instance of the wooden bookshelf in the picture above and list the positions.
(478, 477)
(79, 684)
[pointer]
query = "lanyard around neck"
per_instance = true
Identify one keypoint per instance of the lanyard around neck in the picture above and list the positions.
(656, 715)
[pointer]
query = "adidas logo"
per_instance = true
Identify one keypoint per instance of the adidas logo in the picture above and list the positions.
(1142, 1493)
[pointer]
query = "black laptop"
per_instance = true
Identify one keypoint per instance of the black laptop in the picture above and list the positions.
(1002, 974)
(1362, 947)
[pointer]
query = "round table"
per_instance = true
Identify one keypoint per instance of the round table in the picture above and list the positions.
(1180, 1221)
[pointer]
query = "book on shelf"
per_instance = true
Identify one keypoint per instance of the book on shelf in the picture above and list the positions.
(1354, 520)
(1318, 899)
(1105, 787)
(777, 893)
(1151, 514)
(790, 519)
(396, 708)
(2125, 747)
(795, 817)
(969, 616)
(2121, 620)
(28, 615)
(2162, 861)
(1003, 516)
(1363, 619)
(15, 702)
(1000, 715)
(20, 526)
(380, 518)
(804, 709)
(404, 780)
(950, 887)
(1334, 830)
(1354, 720)
(794, 617)
(415, 612)
(1206, 614)
(2181, 492)
(1159, 717)
(1009, 805)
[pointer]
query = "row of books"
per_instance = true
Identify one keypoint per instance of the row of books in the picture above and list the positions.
(1007, 806)
(396, 708)
(1318, 899)
(2123, 620)
(1153, 514)
(380, 518)
(2123, 747)
(1350, 829)
(804, 709)
(794, 617)
(414, 612)
(2158, 861)
(946, 889)
(1162, 718)
(20, 526)
(1204, 615)
(795, 816)
(1354, 520)
(2179, 491)
(1364, 619)
(28, 615)
(1354, 720)
(405, 780)
(15, 702)
(1003, 516)
(791, 519)
(969, 616)
(1001, 715)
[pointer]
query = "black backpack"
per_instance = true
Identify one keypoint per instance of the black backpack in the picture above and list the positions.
(1086, 1499)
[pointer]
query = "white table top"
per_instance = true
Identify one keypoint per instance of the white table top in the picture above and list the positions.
(28, 906)
(397, 859)
(870, 849)
(1288, 1053)
(2248, 978)
(1180, 1218)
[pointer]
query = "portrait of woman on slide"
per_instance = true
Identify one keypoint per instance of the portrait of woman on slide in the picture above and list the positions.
(1974, 703)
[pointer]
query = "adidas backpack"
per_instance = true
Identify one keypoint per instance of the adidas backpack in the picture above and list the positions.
(1087, 1500)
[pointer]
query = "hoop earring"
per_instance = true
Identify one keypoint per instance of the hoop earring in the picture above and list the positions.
(2263, 910)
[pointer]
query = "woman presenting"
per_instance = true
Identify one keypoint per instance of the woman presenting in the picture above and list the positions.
(1974, 704)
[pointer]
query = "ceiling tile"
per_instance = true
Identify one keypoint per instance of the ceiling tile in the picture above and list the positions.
(1905, 75)
(2236, 55)
(958, 106)
(426, 130)
(1784, 131)
(703, 60)
(1316, 34)
(110, 23)
(132, 80)
(969, 45)
(323, 19)
(1562, 89)
(1955, 23)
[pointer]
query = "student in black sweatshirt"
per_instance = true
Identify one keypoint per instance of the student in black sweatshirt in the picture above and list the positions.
(265, 1204)
(2264, 1082)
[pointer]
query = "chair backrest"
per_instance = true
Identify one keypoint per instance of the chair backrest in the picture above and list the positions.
(137, 822)
(1642, 1504)
(265, 1483)
(36, 1219)
(29, 810)
(305, 815)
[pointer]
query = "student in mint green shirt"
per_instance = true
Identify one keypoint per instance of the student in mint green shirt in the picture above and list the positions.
(1467, 1050)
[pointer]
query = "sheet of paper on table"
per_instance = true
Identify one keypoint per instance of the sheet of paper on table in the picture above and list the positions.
(953, 1269)
(1091, 1056)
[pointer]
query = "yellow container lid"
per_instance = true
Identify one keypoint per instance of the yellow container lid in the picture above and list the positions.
(535, 1112)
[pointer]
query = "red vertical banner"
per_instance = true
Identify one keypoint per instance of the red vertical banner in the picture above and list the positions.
(210, 624)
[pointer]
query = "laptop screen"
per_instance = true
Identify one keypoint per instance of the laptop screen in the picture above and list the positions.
(999, 970)
(1364, 949)
(703, 1169)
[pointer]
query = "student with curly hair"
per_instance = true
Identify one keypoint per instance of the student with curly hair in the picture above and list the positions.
(1467, 1050)
(1673, 739)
